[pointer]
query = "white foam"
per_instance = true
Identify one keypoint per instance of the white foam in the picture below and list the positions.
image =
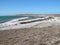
(37, 24)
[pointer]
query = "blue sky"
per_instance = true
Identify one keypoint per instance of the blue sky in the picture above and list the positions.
(11, 7)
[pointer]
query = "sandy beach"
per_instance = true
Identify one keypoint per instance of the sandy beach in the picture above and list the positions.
(32, 36)
(49, 35)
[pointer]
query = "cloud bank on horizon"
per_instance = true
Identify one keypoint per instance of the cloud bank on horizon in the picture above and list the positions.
(8, 7)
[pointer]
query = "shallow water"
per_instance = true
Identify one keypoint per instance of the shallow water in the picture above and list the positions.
(7, 18)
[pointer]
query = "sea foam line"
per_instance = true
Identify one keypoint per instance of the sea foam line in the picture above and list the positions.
(36, 24)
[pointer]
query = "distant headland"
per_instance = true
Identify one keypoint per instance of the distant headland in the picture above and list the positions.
(37, 14)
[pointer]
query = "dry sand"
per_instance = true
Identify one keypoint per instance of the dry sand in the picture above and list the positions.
(41, 36)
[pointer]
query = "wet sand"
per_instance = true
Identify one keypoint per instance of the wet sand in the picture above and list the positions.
(33, 36)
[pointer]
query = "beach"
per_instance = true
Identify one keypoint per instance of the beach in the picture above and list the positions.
(32, 36)
(29, 22)
(47, 33)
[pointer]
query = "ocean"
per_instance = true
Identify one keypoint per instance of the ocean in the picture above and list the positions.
(7, 18)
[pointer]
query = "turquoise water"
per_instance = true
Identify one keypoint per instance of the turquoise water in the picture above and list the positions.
(7, 18)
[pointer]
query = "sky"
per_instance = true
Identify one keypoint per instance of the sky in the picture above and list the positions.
(12, 7)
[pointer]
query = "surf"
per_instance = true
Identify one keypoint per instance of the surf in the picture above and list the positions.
(24, 22)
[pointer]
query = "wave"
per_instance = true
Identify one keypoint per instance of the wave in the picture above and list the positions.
(27, 22)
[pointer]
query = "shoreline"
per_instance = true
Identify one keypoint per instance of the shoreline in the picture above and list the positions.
(47, 35)
(34, 23)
